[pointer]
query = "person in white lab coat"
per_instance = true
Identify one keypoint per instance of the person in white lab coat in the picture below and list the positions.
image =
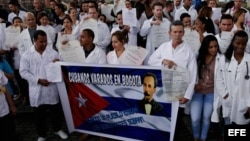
(233, 81)
(15, 63)
(83, 13)
(15, 11)
(177, 52)
(73, 15)
(119, 39)
(201, 104)
(239, 21)
(43, 20)
(66, 34)
(93, 54)
(225, 25)
(157, 19)
(42, 93)
(8, 109)
(27, 34)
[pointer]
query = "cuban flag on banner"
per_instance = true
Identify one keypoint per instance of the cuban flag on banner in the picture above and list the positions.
(84, 102)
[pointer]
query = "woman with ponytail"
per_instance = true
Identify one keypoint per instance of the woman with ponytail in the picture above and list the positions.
(119, 39)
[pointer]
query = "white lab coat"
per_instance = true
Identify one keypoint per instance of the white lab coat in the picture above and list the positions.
(222, 48)
(146, 31)
(112, 58)
(63, 37)
(50, 31)
(231, 80)
(12, 15)
(82, 16)
(26, 41)
(75, 25)
(3, 37)
(16, 57)
(142, 19)
(235, 29)
(97, 56)
(183, 56)
(3, 102)
(32, 68)
(217, 98)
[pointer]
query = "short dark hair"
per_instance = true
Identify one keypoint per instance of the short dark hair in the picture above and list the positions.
(176, 23)
(14, 2)
(184, 15)
(102, 15)
(226, 16)
(157, 4)
(149, 74)
(119, 13)
(70, 9)
(169, 3)
(96, 8)
(95, 4)
(230, 49)
(68, 18)
(53, 1)
(61, 6)
(16, 18)
(41, 15)
(38, 33)
(89, 32)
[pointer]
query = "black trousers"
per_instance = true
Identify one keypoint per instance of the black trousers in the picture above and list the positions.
(41, 114)
(23, 85)
(7, 128)
(181, 130)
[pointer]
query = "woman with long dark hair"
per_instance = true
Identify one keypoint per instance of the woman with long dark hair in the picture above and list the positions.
(201, 105)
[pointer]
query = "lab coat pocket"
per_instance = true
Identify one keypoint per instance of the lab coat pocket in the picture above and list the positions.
(242, 106)
(227, 102)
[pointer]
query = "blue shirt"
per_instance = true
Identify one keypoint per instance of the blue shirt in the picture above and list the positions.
(5, 67)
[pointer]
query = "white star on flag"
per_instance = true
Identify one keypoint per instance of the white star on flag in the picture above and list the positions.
(82, 101)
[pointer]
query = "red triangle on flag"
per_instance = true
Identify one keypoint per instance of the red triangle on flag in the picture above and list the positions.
(84, 102)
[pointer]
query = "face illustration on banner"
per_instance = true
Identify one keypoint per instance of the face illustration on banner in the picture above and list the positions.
(148, 105)
(149, 87)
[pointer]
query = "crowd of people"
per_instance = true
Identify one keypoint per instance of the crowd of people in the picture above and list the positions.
(218, 90)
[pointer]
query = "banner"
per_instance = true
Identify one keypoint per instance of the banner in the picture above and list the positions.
(119, 102)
